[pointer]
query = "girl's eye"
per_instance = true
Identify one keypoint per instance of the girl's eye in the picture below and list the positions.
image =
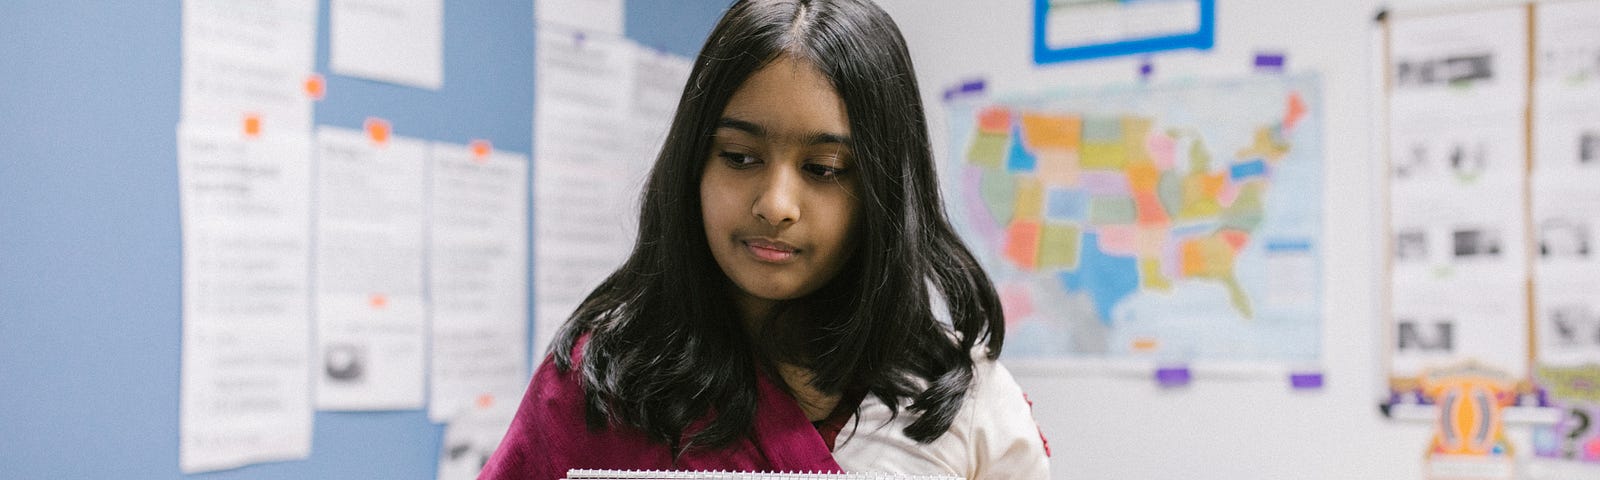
(822, 171)
(738, 160)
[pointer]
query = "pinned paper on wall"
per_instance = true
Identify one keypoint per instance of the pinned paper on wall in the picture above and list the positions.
(592, 16)
(478, 267)
(1457, 187)
(588, 85)
(243, 58)
(246, 311)
(369, 272)
(397, 41)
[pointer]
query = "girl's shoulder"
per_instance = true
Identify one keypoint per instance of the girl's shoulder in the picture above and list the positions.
(993, 436)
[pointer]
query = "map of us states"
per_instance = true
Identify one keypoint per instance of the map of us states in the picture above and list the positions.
(1117, 204)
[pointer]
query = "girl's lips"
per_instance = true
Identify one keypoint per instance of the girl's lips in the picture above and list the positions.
(770, 251)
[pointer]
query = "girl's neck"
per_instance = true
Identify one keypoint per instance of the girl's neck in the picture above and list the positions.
(753, 311)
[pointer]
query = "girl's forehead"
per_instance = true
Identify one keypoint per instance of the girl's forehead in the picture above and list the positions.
(788, 97)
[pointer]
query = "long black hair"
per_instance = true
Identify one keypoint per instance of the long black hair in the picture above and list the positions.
(665, 345)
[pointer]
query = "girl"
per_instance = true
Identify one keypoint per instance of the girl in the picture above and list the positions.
(777, 311)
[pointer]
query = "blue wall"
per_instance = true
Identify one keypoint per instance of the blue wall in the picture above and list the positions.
(89, 244)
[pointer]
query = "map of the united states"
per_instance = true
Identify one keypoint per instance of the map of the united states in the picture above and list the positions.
(1113, 205)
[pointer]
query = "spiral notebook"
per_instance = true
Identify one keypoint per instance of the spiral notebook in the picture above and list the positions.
(579, 474)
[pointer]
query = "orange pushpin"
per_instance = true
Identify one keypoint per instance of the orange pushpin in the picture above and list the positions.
(316, 87)
(378, 301)
(481, 150)
(252, 125)
(485, 400)
(378, 131)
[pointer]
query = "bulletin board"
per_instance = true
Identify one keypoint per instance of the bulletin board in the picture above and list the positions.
(90, 247)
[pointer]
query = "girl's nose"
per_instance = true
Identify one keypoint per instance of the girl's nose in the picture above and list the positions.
(778, 201)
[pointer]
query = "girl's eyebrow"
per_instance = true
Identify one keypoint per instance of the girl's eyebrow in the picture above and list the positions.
(752, 128)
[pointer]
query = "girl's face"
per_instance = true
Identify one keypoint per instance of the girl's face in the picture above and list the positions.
(779, 191)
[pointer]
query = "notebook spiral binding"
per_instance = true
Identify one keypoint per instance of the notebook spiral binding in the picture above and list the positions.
(587, 474)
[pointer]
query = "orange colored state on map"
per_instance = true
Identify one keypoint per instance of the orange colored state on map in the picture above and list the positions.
(1205, 257)
(1297, 110)
(1143, 177)
(1022, 244)
(994, 120)
(1235, 238)
(1147, 206)
(1046, 132)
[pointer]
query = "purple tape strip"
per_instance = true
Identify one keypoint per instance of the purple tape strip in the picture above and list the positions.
(968, 88)
(1172, 376)
(1305, 381)
(1270, 62)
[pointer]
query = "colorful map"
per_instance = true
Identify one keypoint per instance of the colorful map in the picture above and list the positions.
(1173, 223)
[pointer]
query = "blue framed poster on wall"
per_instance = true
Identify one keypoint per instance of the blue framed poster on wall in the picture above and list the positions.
(1068, 30)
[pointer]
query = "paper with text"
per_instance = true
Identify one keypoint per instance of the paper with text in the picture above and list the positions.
(369, 247)
(593, 16)
(398, 41)
(248, 58)
(245, 206)
(478, 278)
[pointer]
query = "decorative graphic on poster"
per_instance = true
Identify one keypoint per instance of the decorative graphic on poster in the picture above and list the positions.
(1469, 439)
(1177, 223)
(1576, 436)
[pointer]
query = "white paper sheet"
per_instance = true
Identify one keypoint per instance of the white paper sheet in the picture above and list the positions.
(593, 16)
(585, 195)
(1566, 205)
(658, 82)
(248, 58)
(246, 316)
(369, 247)
(398, 41)
(478, 278)
(1446, 65)
(1456, 193)
(1447, 323)
(472, 437)
(1566, 219)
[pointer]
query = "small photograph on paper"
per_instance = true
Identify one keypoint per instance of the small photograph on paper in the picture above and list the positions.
(1589, 145)
(1572, 325)
(1430, 336)
(1564, 238)
(345, 363)
(1412, 164)
(1411, 245)
(1467, 162)
(1477, 243)
(1455, 70)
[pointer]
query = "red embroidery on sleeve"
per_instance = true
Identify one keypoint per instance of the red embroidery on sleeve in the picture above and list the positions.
(1046, 441)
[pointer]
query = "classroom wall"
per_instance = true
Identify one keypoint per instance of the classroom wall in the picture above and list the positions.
(89, 227)
(1107, 427)
(89, 236)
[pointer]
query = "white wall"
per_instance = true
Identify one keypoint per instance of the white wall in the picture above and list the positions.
(1121, 428)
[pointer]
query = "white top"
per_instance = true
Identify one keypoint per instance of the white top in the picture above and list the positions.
(993, 437)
